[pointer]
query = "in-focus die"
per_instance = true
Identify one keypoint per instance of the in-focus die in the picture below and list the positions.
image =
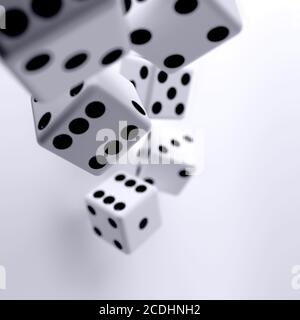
(54, 45)
(165, 96)
(169, 159)
(124, 211)
(94, 124)
(174, 33)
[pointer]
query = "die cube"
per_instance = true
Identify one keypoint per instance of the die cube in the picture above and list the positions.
(164, 95)
(52, 46)
(168, 159)
(174, 33)
(124, 211)
(94, 124)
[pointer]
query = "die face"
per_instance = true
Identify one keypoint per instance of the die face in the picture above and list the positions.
(95, 127)
(140, 225)
(141, 74)
(170, 94)
(168, 178)
(45, 111)
(171, 160)
(70, 50)
(105, 226)
(126, 189)
(194, 28)
(124, 208)
(28, 19)
(171, 144)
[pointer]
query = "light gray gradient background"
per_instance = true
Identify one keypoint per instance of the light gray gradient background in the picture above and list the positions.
(233, 233)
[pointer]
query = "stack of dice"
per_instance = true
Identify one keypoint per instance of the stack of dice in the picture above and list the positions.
(91, 115)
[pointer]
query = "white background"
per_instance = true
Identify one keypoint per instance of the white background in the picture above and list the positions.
(233, 233)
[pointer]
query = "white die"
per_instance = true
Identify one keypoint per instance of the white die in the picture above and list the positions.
(130, 161)
(141, 74)
(95, 127)
(165, 96)
(52, 46)
(124, 211)
(170, 94)
(168, 160)
(174, 33)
